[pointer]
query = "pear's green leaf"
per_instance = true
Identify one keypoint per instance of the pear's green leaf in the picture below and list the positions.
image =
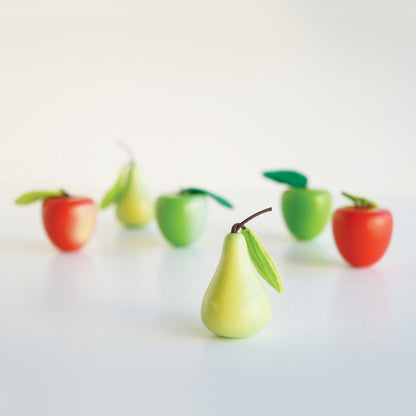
(114, 194)
(109, 198)
(218, 198)
(34, 196)
(360, 202)
(289, 177)
(262, 260)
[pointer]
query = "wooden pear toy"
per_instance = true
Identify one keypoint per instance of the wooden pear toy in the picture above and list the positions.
(236, 305)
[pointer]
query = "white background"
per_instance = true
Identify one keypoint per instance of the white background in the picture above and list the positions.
(208, 94)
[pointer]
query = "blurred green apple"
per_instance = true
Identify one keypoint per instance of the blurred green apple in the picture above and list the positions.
(305, 211)
(182, 216)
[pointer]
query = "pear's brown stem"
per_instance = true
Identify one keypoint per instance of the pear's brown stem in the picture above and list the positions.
(128, 150)
(238, 225)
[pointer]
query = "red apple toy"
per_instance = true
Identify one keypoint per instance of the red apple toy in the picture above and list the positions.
(68, 220)
(362, 232)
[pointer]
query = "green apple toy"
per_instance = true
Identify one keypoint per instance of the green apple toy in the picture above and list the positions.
(182, 216)
(134, 206)
(305, 211)
(236, 305)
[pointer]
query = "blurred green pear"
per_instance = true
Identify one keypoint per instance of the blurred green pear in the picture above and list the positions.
(134, 206)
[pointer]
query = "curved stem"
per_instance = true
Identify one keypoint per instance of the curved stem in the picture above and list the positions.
(64, 193)
(128, 150)
(238, 225)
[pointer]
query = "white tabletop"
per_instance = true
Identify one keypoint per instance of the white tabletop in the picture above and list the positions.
(115, 328)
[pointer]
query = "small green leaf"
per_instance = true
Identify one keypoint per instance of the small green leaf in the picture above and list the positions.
(34, 196)
(360, 202)
(109, 198)
(115, 193)
(219, 199)
(289, 177)
(262, 260)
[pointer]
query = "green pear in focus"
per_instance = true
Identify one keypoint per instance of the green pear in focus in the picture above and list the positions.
(235, 304)
(134, 206)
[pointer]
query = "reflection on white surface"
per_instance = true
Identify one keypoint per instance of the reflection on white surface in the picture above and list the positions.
(72, 280)
(181, 280)
(180, 272)
(313, 253)
(123, 315)
(361, 304)
(120, 239)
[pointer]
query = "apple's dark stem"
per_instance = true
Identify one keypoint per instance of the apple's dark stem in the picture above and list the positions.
(128, 150)
(238, 225)
(64, 193)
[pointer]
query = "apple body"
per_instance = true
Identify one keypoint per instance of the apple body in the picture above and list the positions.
(362, 235)
(306, 211)
(69, 221)
(181, 217)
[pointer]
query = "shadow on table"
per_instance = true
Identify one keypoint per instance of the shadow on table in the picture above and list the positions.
(312, 254)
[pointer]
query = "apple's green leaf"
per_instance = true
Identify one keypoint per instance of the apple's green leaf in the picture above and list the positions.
(114, 194)
(262, 260)
(360, 202)
(219, 199)
(289, 177)
(34, 196)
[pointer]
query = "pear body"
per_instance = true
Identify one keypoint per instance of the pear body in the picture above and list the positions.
(235, 305)
(135, 206)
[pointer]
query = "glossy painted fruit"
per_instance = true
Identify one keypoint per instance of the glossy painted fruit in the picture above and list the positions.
(134, 205)
(306, 211)
(69, 221)
(235, 304)
(362, 233)
(182, 217)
